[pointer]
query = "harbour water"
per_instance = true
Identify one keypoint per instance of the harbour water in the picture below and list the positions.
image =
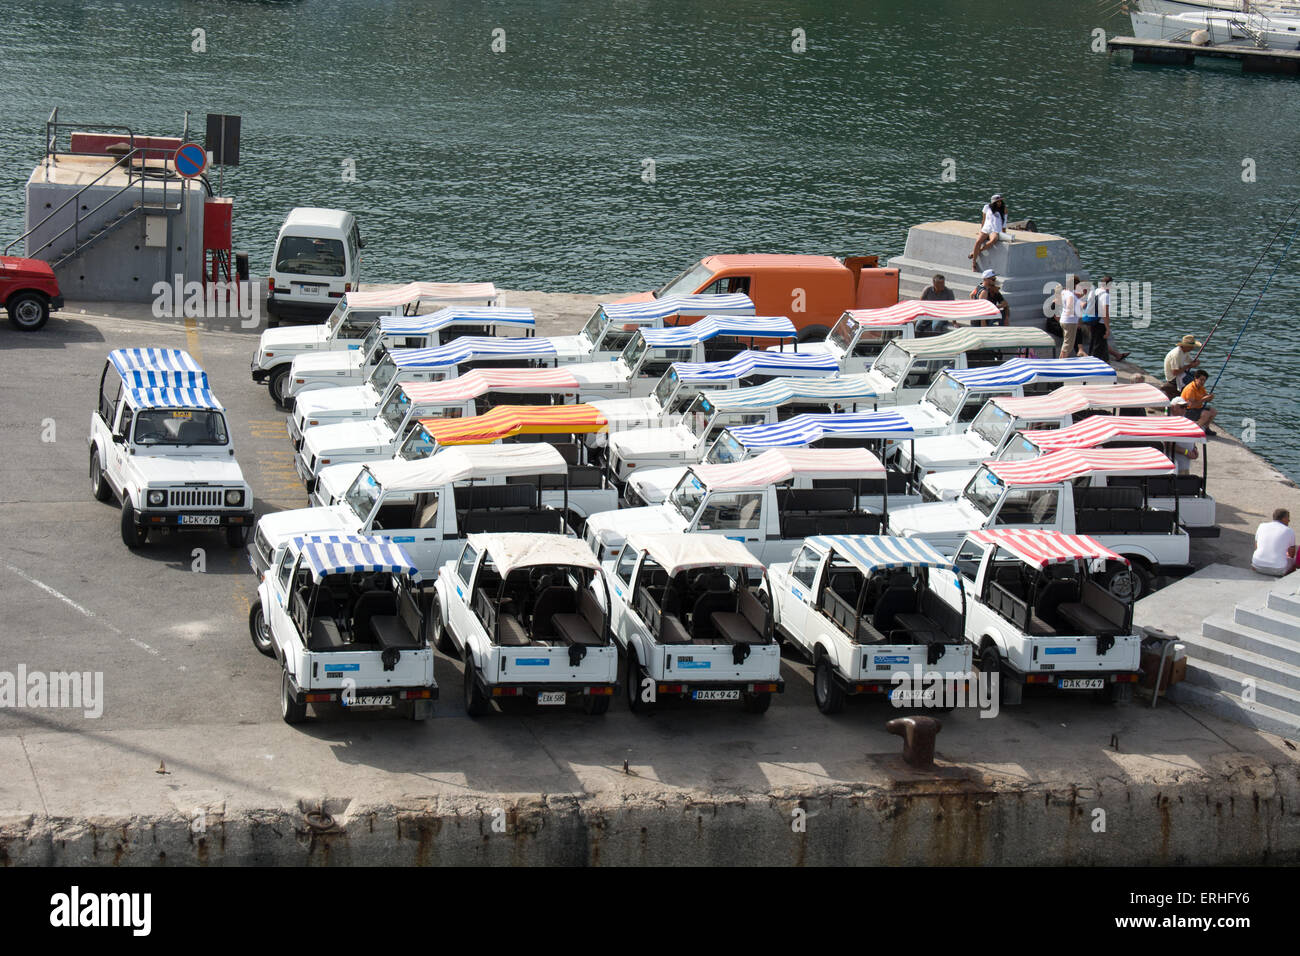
(528, 166)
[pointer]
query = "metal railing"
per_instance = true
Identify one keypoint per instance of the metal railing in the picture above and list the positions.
(140, 175)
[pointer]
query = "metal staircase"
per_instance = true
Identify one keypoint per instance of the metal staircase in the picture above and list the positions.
(88, 225)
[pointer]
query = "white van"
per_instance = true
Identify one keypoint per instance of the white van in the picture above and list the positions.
(317, 259)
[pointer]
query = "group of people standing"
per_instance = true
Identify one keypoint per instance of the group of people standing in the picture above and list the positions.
(1085, 320)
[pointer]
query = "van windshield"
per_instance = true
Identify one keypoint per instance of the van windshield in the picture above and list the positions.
(303, 256)
(686, 283)
(172, 426)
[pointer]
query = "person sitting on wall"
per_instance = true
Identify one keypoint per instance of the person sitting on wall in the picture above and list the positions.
(938, 291)
(1275, 547)
(993, 224)
(1198, 399)
(988, 289)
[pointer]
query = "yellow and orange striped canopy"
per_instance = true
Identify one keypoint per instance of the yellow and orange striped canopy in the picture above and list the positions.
(506, 421)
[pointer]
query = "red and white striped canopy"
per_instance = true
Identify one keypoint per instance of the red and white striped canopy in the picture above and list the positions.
(1070, 464)
(782, 464)
(1077, 398)
(1100, 429)
(480, 381)
(910, 310)
(1041, 548)
(415, 291)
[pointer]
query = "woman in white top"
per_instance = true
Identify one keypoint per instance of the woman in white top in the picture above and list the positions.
(993, 223)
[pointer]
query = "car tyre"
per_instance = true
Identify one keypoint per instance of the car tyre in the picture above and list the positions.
(828, 694)
(98, 483)
(633, 681)
(1121, 693)
(594, 705)
(755, 703)
(276, 385)
(259, 630)
(441, 635)
(133, 536)
(476, 702)
(291, 712)
(28, 311)
(1131, 583)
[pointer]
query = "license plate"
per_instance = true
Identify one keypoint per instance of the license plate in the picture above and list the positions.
(309, 289)
(1081, 683)
(551, 697)
(922, 696)
(385, 700)
(715, 695)
(200, 519)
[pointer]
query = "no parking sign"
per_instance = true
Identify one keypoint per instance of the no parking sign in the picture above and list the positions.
(190, 160)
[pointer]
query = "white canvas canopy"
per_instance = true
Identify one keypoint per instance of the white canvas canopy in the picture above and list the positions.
(509, 552)
(467, 463)
(682, 552)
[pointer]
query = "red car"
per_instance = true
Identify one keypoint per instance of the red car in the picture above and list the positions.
(29, 292)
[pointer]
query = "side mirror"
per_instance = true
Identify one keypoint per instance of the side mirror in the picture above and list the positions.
(119, 439)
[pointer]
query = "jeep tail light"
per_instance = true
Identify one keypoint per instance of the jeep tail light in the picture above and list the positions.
(762, 688)
(269, 354)
(270, 285)
(1124, 678)
(347, 287)
(599, 691)
(1039, 678)
(414, 695)
(318, 698)
(507, 691)
(671, 688)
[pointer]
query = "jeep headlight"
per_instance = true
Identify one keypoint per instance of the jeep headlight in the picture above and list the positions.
(157, 497)
(234, 497)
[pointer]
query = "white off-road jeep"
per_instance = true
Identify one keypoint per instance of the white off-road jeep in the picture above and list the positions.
(345, 617)
(526, 613)
(159, 444)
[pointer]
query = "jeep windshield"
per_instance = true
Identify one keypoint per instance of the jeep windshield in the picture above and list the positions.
(363, 494)
(725, 450)
(368, 343)
(893, 362)
(983, 491)
(686, 497)
(842, 334)
(699, 415)
(946, 394)
(634, 352)
(1019, 448)
(664, 390)
(686, 283)
(419, 444)
(395, 409)
(381, 376)
(171, 426)
(991, 424)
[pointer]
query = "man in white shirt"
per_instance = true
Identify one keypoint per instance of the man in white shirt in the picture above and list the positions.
(1069, 317)
(1275, 546)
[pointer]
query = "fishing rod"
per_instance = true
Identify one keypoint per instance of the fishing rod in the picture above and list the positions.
(1276, 265)
(1214, 328)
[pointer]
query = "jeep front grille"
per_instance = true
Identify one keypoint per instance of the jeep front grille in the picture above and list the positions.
(196, 498)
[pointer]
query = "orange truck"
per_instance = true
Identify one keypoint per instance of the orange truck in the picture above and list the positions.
(812, 290)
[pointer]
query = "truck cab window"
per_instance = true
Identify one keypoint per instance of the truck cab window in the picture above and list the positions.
(124, 426)
(968, 560)
(738, 511)
(626, 564)
(727, 285)
(465, 567)
(1028, 506)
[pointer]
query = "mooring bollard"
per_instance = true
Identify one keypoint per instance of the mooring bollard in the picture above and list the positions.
(918, 735)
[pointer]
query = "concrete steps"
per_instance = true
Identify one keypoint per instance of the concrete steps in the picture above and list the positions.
(1254, 653)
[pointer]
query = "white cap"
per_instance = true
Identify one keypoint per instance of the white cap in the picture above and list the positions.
(996, 197)
(989, 274)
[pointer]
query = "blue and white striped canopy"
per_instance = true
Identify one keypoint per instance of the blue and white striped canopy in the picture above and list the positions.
(158, 368)
(766, 363)
(453, 316)
(802, 430)
(782, 391)
(177, 397)
(327, 554)
(1023, 371)
(468, 348)
(736, 303)
(711, 326)
(871, 552)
